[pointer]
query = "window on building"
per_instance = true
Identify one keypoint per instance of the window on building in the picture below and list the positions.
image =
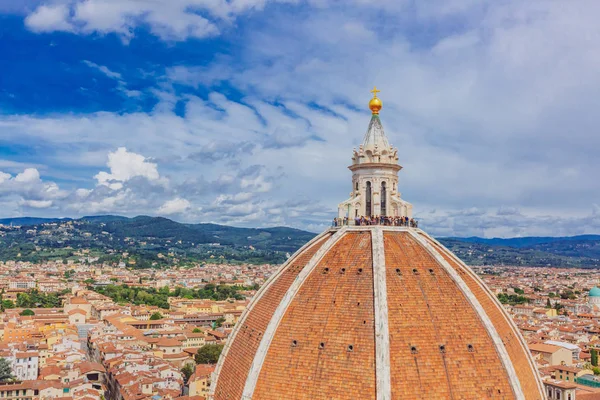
(368, 210)
(383, 199)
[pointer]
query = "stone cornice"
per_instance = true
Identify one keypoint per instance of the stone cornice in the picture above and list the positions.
(394, 167)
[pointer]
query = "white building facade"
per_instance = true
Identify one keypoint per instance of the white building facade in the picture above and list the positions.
(25, 365)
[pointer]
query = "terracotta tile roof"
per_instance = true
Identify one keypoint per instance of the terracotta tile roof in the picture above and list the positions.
(544, 348)
(324, 345)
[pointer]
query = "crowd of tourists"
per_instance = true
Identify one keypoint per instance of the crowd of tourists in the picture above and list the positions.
(377, 220)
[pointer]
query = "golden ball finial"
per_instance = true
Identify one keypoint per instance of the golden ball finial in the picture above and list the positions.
(375, 104)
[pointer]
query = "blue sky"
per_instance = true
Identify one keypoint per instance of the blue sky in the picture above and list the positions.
(245, 112)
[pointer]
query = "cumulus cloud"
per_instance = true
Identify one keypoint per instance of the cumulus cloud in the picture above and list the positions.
(99, 201)
(4, 176)
(50, 18)
(125, 166)
(28, 190)
(28, 176)
(174, 206)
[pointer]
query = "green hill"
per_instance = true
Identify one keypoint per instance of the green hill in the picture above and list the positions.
(149, 241)
(157, 242)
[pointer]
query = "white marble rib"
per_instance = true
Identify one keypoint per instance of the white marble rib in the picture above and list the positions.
(507, 318)
(265, 342)
(257, 297)
(382, 334)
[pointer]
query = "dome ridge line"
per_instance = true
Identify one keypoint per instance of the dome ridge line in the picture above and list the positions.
(269, 333)
(263, 289)
(382, 333)
(474, 276)
(500, 348)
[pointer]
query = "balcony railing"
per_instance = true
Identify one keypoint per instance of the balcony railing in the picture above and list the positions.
(368, 221)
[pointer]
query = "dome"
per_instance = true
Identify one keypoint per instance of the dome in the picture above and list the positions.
(595, 292)
(375, 310)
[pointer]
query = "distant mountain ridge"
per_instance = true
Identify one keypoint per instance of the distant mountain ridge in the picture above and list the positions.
(148, 239)
(28, 221)
(525, 241)
(151, 241)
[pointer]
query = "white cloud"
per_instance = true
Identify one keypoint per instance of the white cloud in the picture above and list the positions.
(170, 20)
(28, 190)
(242, 197)
(116, 202)
(174, 206)
(28, 175)
(49, 18)
(125, 166)
(37, 203)
(121, 84)
(4, 176)
(82, 193)
(258, 184)
(105, 70)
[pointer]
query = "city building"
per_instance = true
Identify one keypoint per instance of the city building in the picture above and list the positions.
(551, 354)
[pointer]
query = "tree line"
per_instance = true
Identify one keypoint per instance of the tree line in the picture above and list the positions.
(34, 299)
(160, 297)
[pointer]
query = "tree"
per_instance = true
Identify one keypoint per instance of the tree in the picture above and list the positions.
(164, 290)
(518, 290)
(6, 304)
(594, 354)
(197, 330)
(219, 322)
(596, 370)
(23, 300)
(156, 316)
(548, 304)
(5, 370)
(208, 354)
(27, 313)
(512, 299)
(187, 371)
